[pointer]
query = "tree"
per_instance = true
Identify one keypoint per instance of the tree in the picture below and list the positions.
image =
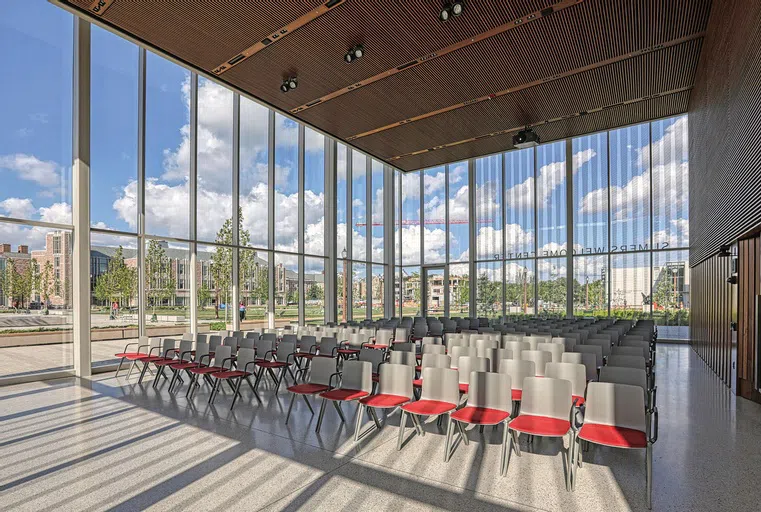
(119, 282)
(159, 275)
(315, 292)
(204, 295)
(463, 293)
(222, 262)
(47, 283)
(293, 297)
(489, 294)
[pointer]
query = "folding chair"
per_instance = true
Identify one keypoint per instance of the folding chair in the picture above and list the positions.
(183, 364)
(167, 348)
(489, 403)
(221, 354)
(282, 357)
(184, 351)
(356, 383)
(439, 396)
(394, 390)
(615, 417)
(143, 345)
(546, 411)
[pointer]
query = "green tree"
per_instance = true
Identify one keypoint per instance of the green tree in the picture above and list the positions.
(160, 281)
(222, 262)
(204, 295)
(315, 292)
(293, 297)
(119, 282)
(489, 294)
(462, 297)
(47, 283)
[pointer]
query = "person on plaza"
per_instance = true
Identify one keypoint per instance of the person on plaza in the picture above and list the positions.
(242, 311)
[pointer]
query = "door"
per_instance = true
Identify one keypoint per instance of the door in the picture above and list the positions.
(434, 290)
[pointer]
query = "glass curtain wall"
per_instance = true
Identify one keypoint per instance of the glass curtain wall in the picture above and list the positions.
(628, 191)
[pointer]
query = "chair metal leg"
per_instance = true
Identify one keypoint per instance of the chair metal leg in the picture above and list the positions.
(118, 369)
(131, 367)
(308, 404)
(515, 441)
(506, 461)
(290, 406)
(649, 463)
(214, 391)
(462, 433)
(236, 393)
(337, 405)
(322, 413)
(418, 426)
(374, 416)
(450, 429)
(142, 373)
(402, 422)
(569, 463)
(156, 380)
(505, 436)
(359, 422)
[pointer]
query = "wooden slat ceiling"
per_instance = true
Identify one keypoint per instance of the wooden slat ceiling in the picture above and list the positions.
(563, 58)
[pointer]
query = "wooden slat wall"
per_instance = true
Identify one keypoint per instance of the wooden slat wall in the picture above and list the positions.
(725, 130)
(711, 314)
(749, 286)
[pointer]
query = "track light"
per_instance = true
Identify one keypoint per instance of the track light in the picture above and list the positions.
(455, 8)
(289, 84)
(357, 52)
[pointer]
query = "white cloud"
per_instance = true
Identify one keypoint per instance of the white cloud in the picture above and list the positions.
(31, 168)
(18, 208)
(58, 213)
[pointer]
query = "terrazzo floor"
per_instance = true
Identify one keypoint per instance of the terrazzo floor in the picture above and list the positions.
(110, 444)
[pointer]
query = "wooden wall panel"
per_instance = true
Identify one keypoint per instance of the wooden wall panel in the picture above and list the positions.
(725, 130)
(749, 287)
(711, 315)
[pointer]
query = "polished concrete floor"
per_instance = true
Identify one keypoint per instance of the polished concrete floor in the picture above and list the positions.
(110, 444)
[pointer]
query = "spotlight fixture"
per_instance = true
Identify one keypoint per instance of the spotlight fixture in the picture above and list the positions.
(357, 52)
(289, 84)
(455, 8)
(724, 251)
(525, 139)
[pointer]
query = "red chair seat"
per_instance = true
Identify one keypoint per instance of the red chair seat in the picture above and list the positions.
(344, 395)
(271, 364)
(165, 361)
(348, 351)
(540, 425)
(429, 407)
(131, 355)
(480, 415)
(418, 383)
(579, 400)
(376, 346)
(463, 388)
(184, 366)
(206, 369)
(308, 389)
(618, 437)
(149, 359)
(384, 401)
(517, 395)
(306, 355)
(230, 374)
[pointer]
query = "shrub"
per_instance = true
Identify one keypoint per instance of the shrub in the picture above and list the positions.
(218, 326)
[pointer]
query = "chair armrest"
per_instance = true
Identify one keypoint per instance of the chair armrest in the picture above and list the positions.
(290, 357)
(654, 432)
(128, 345)
(208, 359)
(313, 349)
(225, 360)
(334, 352)
(245, 368)
(330, 381)
(150, 352)
(182, 356)
(268, 353)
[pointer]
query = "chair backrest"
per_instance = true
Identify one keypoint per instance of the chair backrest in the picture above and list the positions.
(357, 375)
(262, 347)
(384, 336)
(185, 346)
(572, 357)
(516, 347)
(246, 356)
(284, 349)
(517, 369)
(603, 344)
(506, 338)
(568, 343)
(540, 359)
(408, 358)
(619, 405)
(200, 337)
(215, 340)
(405, 347)
(490, 390)
(555, 349)
(167, 345)
(431, 340)
(202, 349)
(460, 351)
(436, 329)
(440, 384)
(590, 349)
(321, 369)
(236, 334)
(231, 342)
(495, 355)
(631, 351)
(435, 361)
(307, 342)
(270, 336)
(372, 356)
(546, 397)
(419, 330)
(292, 338)
(245, 343)
(434, 349)
(357, 339)
(396, 379)
(401, 334)
(467, 364)
(576, 373)
(220, 354)
(252, 335)
(628, 361)
(535, 340)
(622, 375)
(188, 336)
(482, 344)
(327, 345)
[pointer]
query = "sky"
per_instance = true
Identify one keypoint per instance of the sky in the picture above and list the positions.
(35, 167)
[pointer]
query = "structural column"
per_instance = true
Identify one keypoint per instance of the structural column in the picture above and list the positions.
(141, 329)
(389, 238)
(569, 279)
(331, 243)
(193, 200)
(81, 198)
(236, 213)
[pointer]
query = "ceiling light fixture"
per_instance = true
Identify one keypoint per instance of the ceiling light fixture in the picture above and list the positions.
(289, 84)
(445, 13)
(455, 9)
(357, 52)
(458, 8)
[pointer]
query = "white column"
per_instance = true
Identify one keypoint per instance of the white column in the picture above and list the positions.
(193, 200)
(569, 227)
(235, 214)
(81, 198)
